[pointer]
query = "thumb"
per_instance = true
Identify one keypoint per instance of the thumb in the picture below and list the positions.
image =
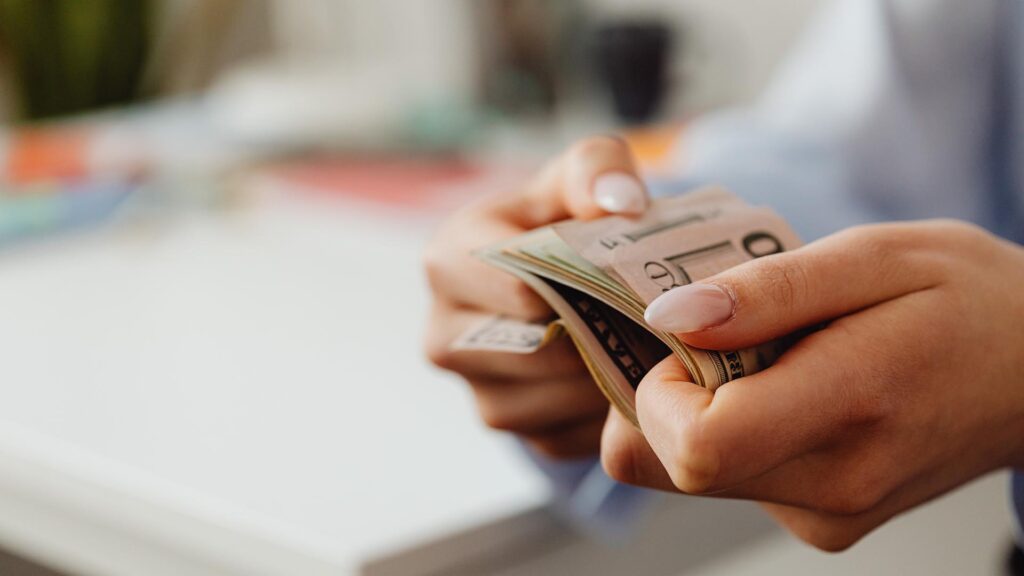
(776, 295)
(595, 177)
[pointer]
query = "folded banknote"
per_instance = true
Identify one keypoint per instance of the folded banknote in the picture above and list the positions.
(599, 276)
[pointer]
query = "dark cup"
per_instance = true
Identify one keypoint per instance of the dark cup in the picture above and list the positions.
(632, 60)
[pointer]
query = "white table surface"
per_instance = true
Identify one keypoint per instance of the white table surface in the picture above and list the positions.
(244, 393)
(238, 393)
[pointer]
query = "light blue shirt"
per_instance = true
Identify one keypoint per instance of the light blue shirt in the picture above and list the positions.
(886, 110)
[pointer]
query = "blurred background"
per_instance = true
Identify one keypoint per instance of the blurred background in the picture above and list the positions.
(211, 214)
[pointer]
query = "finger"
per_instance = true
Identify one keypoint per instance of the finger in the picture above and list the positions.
(838, 531)
(838, 482)
(670, 408)
(459, 278)
(628, 458)
(594, 178)
(846, 480)
(776, 295)
(578, 440)
(824, 531)
(537, 406)
(558, 358)
(711, 442)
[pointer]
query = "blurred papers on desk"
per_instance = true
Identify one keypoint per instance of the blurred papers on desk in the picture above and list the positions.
(66, 175)
(27, 210)
(46, 184)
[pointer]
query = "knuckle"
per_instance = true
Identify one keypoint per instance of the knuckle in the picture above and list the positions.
(958, 230)
(824, 533)
(619, 461)
(690, 479)
(862, 486)
(829, 536)
(895, 244)
(889, 248)
(882, 244)
(695, 469)
(439, 353)
(952, 240)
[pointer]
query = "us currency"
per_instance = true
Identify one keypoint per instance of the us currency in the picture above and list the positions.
(597, 243)
(599, 276)
(503, 334)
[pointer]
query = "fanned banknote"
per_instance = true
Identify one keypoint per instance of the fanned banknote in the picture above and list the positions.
(599, 276)
(504, 334)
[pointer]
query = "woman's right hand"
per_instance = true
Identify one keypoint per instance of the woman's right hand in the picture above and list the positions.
(548, 397)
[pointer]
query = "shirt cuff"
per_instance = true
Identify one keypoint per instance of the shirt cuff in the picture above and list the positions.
(590, 500)
(1017, 495)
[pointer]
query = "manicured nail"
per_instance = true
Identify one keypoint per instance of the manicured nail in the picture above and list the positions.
(620, 193)
(690, 308)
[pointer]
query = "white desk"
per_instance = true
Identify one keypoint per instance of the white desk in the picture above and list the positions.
(244, 394)
(235, 394)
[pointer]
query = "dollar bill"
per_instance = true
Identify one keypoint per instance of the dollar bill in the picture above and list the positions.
(504, 334)
(685, 254)
(597, 244)
(599, 276)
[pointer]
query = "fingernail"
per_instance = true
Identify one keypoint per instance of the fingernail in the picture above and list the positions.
(620, 193)
(690, 308)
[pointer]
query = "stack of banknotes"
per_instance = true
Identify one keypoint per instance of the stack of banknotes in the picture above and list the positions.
(600, 275)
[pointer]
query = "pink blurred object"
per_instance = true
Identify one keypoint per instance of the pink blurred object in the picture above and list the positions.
(402, 183)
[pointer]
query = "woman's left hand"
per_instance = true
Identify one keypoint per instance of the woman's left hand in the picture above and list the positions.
(915, 387)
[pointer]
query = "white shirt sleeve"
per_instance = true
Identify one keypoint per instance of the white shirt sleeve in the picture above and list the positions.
(883, 111)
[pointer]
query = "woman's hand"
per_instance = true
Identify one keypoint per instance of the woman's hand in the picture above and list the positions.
(548, 397)
(915, 388)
